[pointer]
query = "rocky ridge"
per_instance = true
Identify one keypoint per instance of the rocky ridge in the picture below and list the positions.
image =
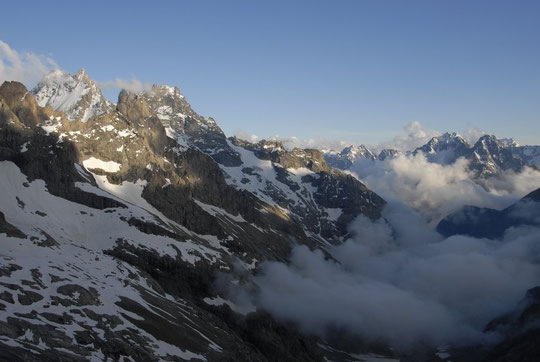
(137, 209)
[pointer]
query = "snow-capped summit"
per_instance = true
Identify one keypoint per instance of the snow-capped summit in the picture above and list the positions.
(509, 142)
(174, 111)
(444, 149)
(348, 156)
(76, 95)
(183, 124)
(388, 153)
(443, 142)
(354, 152)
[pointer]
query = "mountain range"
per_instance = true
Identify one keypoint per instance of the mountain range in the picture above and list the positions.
(487, 157)
(118, 220)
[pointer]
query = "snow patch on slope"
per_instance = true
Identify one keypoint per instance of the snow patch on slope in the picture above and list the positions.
(107, 166)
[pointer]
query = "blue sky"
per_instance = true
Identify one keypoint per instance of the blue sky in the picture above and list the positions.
(342, 70)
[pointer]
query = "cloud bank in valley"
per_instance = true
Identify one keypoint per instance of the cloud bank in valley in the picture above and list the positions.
(396, 279)
(400, 282)
(436, 190)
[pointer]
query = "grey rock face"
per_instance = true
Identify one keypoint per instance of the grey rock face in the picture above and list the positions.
(388, 153)
(185, 125)
(489, 156)
(9, 229)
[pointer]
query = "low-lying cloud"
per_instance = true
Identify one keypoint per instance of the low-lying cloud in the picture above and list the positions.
(25, 67)
(436, 190)
(398, 281)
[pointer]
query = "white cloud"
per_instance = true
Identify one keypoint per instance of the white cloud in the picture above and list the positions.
(415, 135)
(472, 135)
(399, 281)
(132, 85)
(436, 190)
(25, 67)
(246, 136)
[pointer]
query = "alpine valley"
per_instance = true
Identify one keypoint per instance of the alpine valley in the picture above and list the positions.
(125, 228)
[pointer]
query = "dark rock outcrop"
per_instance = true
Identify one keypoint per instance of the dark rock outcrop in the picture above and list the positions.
(489, 223)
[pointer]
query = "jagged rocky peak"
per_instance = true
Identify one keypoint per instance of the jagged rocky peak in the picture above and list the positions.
(185, 126)
(489, 142)
(487, 148)
(490, 156)
(348, 156)
(136, 111)
(353, 152)
(12, 92)
(76, 95)
(133, 106)
(444, 149)
(509, 142)
(21, 104)
(270, 145)
(388, 153)
(444, 142)
(174, 111)
(273, 150)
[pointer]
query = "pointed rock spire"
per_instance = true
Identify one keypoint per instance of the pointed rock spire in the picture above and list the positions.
(77, 96)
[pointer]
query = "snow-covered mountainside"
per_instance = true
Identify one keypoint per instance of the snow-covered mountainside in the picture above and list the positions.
(76, 95)
(116, 223)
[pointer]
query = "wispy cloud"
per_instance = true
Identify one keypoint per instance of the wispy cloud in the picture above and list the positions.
(415, 134)
(25, 67)
(133, 84)
(388, 284)
(246, 136)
